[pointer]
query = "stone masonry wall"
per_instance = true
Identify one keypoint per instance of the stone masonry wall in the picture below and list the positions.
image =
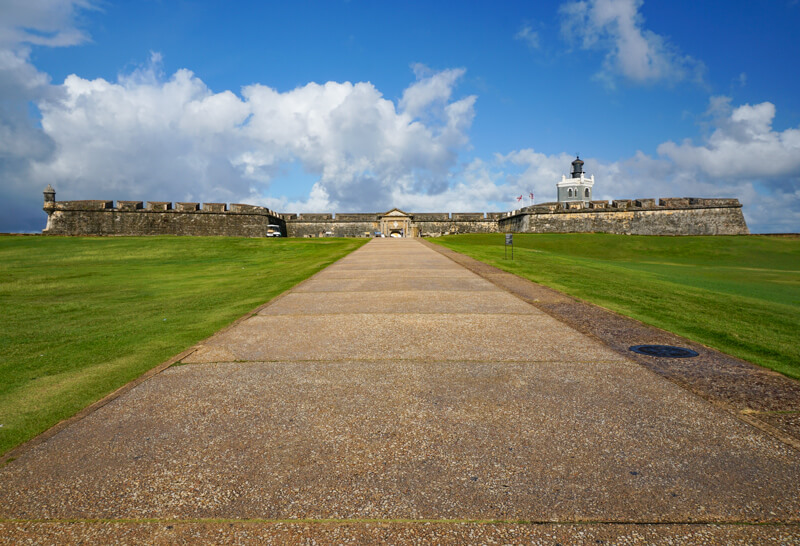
(365, 225)
(435, 229)
(330, 228)
(159, 218)
(434, 224)
(689, 216)
(673, 216)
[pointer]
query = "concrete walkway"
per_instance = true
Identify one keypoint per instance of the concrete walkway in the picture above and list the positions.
(408, 399)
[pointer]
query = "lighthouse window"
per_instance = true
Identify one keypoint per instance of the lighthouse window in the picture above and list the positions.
(569, 192)
(586, 192)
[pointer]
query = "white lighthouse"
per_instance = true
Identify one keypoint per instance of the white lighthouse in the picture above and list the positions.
(577, 188)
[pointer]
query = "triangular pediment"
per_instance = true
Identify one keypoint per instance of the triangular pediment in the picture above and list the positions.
(396, 213)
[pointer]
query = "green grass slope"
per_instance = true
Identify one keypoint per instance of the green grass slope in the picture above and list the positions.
(740, 295)
(79, 317)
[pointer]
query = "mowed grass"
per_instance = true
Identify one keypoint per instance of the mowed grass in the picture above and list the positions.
(79, 317)
(740, 295)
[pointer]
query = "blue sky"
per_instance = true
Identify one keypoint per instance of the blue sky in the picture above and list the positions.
(428, 106)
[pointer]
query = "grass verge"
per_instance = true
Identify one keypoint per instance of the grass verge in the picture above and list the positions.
(740, 295)
(80, 317)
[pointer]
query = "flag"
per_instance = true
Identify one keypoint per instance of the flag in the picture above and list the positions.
(531, 194)
(519, 198)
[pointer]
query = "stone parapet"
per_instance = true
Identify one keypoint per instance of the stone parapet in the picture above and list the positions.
(130, 205)
(239, 208)
(673, 202)
(432, 216)
(705, 202)
(356, 217)
(91, 204)
(159, 205)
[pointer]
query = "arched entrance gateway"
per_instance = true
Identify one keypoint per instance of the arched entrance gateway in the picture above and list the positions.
(396, 223)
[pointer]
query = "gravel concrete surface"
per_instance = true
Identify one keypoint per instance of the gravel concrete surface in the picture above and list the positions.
(169, 533)
(398, 397)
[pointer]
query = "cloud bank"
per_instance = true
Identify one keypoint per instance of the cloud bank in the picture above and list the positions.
(149, 137)
(140, 136)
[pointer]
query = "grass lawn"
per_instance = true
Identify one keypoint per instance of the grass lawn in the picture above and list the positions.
(740, 295)
(79, 317)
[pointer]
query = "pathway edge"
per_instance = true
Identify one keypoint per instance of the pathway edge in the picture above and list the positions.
(45, 435)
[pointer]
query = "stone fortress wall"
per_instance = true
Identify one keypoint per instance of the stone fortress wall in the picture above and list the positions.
(367, 224)
(322, 225)
(157, 218)
(668, 216)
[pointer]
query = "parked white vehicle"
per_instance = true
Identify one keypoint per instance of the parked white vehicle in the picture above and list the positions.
(273, 230)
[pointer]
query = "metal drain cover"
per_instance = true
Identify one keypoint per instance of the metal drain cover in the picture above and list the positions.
(664, 351)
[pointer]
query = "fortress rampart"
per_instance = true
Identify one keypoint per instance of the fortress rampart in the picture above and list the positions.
(667, 216)
(368, 224)
(158, 218)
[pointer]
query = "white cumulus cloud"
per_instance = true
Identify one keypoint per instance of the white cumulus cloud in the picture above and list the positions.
(146, 137)
(150, 137)
(743, 145)
(24, 24)
(41, 22)
(431, 88)
(632, 51)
